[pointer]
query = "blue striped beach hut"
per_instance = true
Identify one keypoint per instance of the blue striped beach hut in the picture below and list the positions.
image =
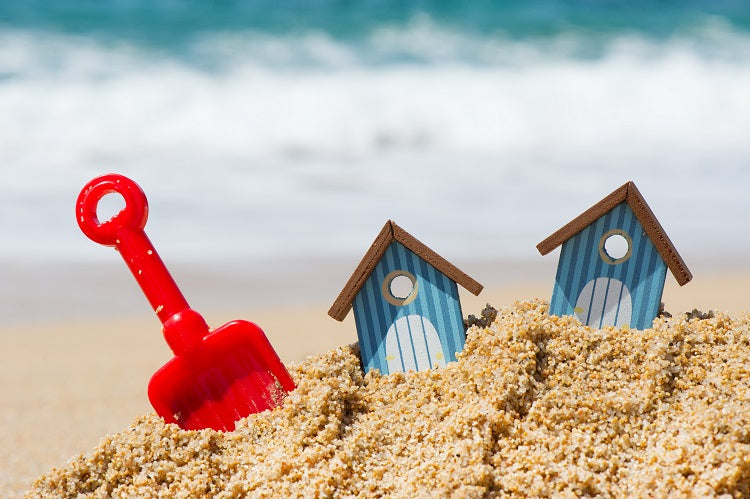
(406, 306)
(613, 263)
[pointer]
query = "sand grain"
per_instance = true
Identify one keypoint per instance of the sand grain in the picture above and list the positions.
(536, 405)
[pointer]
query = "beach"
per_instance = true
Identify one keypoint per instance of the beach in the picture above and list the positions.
(273, 140)
(69, 383)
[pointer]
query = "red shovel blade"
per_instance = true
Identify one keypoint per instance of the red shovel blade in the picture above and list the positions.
(215, 378)
(234, 372)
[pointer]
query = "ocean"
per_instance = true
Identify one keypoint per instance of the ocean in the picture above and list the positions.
(265, 129)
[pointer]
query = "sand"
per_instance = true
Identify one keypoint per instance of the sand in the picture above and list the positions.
(67, 386)
(65, 390)
(536, 405)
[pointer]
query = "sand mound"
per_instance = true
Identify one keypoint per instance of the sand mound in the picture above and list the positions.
(536, 405)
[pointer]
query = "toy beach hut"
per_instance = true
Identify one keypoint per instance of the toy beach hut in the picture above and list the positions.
(406, 306)
(613, 263)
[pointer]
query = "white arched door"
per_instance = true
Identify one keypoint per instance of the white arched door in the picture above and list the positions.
(412, 343)
(604, 302)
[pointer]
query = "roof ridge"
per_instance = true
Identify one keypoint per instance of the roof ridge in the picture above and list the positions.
(389, 233)
(658, 235)
(629, 193)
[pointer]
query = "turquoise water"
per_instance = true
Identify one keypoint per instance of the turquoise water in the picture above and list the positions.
(481, 127)
(177, 28)
(173, 22)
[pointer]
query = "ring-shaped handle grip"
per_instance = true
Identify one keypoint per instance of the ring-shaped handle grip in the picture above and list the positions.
(132, 217)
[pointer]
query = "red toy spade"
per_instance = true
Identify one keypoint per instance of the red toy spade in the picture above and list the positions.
(216, 377)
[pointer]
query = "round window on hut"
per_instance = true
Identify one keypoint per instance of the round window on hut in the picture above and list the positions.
(615, 246)
(400, 288)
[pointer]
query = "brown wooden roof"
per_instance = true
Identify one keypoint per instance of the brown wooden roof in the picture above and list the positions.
(629, 193)
(392, 232)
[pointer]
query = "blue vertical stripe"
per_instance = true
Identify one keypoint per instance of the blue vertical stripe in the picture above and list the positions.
(657, 288)
(366, 338)
(574, 256)
(606, 295)
(615, 218)
(640, 278)
(430, 299)
(411, 350)
(640, 291)
(453, 328)
(560, 303)
(440, 306)
(619, 303)
(572, 248)
(422, 302)
(426, 343)
(644, 287)
(457, 319)
(376, 318)
(652, 299)
(583, 270)
(591, 301)
(436, 302)
(595, 265)
(628, 225)
(642, 274)
(401, 347)
(384, 310)
(582, 257)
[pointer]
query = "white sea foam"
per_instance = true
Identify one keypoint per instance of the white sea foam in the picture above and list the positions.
(250, 144)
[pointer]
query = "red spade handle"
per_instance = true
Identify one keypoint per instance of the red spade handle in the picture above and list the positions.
(183, 327)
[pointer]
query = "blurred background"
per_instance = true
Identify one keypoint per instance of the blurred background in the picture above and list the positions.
(266, 133)
(275, 138)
